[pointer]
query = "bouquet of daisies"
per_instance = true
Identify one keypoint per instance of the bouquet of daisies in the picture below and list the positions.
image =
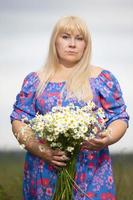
(66, 128)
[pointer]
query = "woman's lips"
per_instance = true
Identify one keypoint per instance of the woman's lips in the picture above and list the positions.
(71, 52)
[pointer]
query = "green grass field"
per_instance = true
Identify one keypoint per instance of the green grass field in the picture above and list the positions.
(11, 172)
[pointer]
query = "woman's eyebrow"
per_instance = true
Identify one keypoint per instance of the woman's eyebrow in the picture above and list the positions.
(66, 33)
(69, 34)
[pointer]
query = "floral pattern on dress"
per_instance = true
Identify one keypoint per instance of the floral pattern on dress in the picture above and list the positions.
(93, 168)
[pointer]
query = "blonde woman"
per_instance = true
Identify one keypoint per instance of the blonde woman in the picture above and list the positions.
(68, 76)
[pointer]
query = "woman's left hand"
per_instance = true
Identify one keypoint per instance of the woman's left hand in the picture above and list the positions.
(97, 143)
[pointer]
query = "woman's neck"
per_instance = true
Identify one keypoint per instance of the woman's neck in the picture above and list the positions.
(65, 69)
(62, 73)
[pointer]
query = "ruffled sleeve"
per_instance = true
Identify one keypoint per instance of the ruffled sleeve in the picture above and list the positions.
(24, 106)
(111, 98)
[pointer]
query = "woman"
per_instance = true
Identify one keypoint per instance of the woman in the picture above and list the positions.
(68, 77)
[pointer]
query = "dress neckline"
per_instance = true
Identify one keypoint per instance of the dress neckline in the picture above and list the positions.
(63, 82)
(54, 82)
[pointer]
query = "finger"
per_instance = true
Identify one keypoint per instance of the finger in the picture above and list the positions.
(104, 140)
(92, 148)
(58, 152)
(57, 163)
(103, 134)
(85, 147)
(98, 141)
(96, 147)
(89, 142)
(60, 158)
(94, 144)
(101, 143)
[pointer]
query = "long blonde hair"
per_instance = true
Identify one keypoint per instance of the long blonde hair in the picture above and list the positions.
(78, 82)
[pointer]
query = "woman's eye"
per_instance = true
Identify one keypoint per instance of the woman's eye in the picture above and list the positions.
(65, 37)
(80, 38)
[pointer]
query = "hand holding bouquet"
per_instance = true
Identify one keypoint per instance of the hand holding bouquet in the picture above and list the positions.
(66, 128)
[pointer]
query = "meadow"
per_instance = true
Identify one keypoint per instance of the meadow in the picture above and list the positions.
(11, 172)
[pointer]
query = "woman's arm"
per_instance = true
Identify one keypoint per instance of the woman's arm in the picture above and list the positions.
(26, 137)
(111, 100)
(116, 131)
(111, 135)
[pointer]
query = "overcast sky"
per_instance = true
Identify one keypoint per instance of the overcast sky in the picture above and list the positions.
(25, 28)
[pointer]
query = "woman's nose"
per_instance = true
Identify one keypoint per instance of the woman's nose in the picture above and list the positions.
(72, 42)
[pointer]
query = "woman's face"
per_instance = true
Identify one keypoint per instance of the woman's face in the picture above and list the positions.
(70, 48)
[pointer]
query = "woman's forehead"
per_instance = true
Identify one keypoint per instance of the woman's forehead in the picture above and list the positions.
(69, 33)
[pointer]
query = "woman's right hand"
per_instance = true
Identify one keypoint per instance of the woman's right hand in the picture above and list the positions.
(38, 148)
(56, 158)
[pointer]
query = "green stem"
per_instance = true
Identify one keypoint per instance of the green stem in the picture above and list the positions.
(80, 190)
(64, 187)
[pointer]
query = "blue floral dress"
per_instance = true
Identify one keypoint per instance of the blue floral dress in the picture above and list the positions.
(93, 168)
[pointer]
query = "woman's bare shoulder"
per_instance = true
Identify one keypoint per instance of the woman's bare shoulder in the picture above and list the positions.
(95, 71)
